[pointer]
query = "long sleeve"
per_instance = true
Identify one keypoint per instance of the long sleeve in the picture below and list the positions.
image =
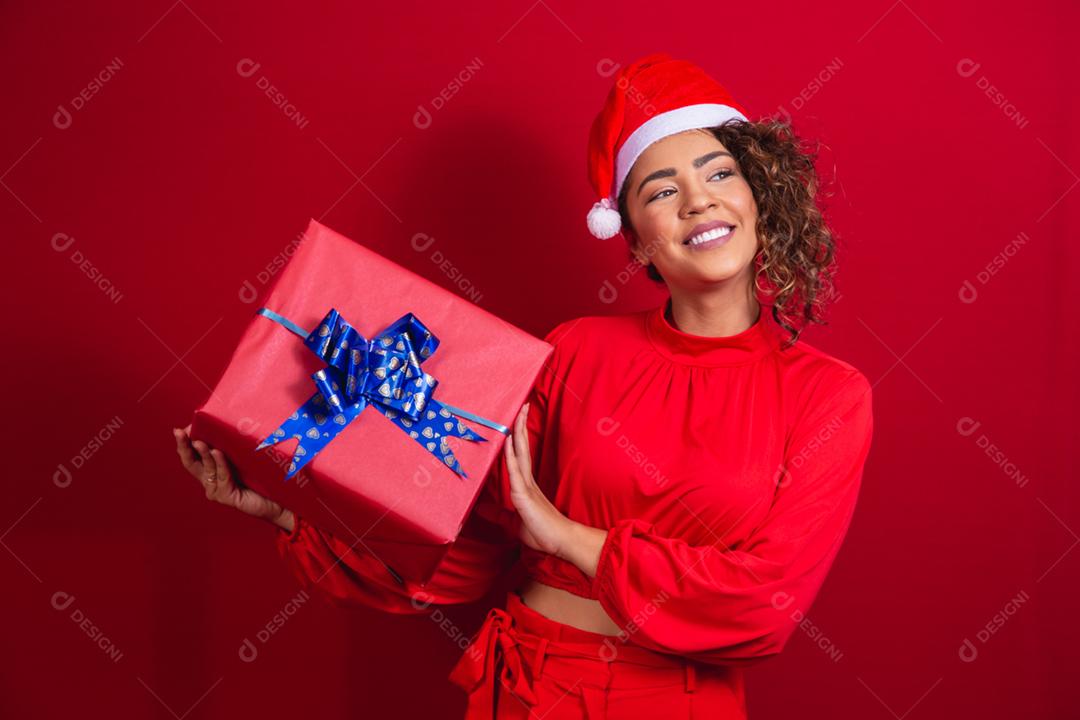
(737, 607)
(346, 573)
(488, 545)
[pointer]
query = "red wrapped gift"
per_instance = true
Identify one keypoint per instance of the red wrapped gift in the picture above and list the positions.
(370, 400)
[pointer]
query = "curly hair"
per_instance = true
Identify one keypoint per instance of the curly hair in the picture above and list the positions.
(795, 265)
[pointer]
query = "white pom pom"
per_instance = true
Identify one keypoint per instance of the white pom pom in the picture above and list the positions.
(604, 221)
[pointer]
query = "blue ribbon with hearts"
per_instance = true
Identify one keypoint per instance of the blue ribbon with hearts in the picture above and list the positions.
(383, 372)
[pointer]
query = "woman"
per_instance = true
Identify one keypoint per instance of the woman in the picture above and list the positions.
(681, 478)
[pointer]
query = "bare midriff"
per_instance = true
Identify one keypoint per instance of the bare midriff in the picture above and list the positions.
(567, 608)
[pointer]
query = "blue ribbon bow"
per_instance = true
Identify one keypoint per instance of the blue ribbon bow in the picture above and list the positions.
(383, 372)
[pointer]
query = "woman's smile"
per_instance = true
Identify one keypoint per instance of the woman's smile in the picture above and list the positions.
(710, 239)
(692, 214)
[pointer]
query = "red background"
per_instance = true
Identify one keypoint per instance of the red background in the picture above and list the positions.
(179, 180)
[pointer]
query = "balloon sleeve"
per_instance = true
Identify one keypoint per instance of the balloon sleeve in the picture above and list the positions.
(346, 572)
(720, 605)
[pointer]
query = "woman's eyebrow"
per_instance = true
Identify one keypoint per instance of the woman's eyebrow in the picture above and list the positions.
(670, 172)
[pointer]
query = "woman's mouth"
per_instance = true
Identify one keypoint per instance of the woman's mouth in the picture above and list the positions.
(710, 238)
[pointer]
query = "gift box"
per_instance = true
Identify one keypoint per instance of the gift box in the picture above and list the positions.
(369, 400)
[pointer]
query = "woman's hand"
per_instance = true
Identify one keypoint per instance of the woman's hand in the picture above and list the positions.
(211, 468)
(543, 527)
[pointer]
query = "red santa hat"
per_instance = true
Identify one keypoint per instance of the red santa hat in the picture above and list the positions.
(653, 97)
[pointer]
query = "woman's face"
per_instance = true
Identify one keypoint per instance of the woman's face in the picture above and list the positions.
(679, 183)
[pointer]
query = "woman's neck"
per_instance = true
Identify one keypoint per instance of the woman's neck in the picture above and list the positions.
(700, 315)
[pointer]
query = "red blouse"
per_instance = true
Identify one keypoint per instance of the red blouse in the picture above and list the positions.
(725, 469)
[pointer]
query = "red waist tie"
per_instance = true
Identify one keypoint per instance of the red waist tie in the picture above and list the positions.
(499, 648)
(494, 656)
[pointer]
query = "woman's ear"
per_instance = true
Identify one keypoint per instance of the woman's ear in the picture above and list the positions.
(635, 247)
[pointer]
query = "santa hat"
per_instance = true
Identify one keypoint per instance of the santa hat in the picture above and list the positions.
(653, 97)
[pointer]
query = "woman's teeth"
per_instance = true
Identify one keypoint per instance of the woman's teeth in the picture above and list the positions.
(709, 235)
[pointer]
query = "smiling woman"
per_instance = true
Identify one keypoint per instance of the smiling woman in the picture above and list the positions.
(760, 178)
(682, 477)
(650, 592)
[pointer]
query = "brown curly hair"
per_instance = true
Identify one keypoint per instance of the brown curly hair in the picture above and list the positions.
(795, 265)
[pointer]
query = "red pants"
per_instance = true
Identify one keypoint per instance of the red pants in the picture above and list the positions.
(523, 665)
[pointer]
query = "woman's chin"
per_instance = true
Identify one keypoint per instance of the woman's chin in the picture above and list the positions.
(711, 272)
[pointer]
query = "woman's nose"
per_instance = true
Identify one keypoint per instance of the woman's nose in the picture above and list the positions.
(698, 200)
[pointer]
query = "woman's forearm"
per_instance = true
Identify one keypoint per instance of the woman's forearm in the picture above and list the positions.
(583, 549)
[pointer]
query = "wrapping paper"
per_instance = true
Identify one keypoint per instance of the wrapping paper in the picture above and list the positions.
(372, 484)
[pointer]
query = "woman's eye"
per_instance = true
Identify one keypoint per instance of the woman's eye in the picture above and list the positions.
(726, 172)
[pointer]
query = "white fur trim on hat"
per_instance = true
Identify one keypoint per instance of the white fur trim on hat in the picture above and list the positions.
(604, 221)
(688, 117)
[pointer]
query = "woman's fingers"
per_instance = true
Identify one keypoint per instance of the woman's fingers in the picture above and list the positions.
(201, 462)
(225, 487)
(511, 461)
(223, 475)
(212, 469)
(518, 462)
(209, 464)
(187, 455)
(521, 442)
